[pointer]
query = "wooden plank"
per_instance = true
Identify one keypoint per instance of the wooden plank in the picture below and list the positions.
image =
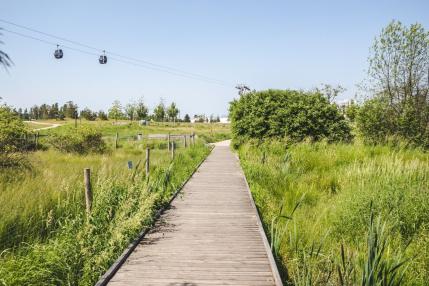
(211, 235)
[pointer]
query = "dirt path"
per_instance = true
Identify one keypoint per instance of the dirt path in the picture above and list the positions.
(51, 125)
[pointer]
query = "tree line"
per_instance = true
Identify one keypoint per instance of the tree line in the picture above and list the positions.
(135, 110)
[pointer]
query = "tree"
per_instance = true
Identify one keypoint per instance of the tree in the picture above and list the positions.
(102, 115)
(330, 91)
(201, 118)
(141, 109)
(186, 118)
(69, 109)
(399, 80)
(130, 111)
(88, 114)
(25, 115)
(5, 60)
(34, 112)
(54, 111)
(351, 110)
(375, 122)
(159, 112)
(115, 112)
(172, 112)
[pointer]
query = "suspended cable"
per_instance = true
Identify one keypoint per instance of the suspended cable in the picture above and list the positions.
(113, 58)
(48, 42)
(159, 67)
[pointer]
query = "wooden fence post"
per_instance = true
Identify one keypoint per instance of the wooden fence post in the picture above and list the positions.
(184, 141)
(173, 146)
(88, 190)
(147, 161)
(169, 141)
(193, 138)
(36, 140)
(116, 140)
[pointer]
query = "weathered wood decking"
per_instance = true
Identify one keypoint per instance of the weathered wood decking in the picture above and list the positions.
(211, 235)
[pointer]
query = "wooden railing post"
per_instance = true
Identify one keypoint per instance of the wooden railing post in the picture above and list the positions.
(36, 140)
(173, 146)
(184, 141)
(116, 140)
(147, 165)
(88, 190)
(169, 141)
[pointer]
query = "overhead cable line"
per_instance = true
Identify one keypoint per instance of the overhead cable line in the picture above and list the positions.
(146, 64)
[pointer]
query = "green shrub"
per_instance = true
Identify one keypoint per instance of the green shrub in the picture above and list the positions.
(379, 122)
(287, 113)
(84, 140)
(12, 134)
(374, 121)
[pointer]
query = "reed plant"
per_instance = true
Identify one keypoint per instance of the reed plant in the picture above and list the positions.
(329, 240)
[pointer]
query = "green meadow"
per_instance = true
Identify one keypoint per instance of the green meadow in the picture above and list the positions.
(317, 199)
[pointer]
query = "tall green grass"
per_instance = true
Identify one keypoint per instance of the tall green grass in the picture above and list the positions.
(46, 237)
(327, 240)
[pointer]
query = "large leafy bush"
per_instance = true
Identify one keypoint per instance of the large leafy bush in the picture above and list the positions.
(83, 140)
(12, 134)
(295, 115)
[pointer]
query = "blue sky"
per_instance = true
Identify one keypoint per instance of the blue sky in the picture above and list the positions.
(265, 44)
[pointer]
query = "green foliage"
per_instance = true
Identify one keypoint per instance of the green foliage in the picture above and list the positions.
(295, 115)
(172, 112)
(331, 235)
(12, 134)
(399, 72)
(88, 114)
(377, 270)
(375, 122)
(83, 140)
(69, 109)
(351, 111)
(77, 249)
(186, 118)
(102, 115)
(130, 111)
(116, 111)
(141, 109)
(159, 112)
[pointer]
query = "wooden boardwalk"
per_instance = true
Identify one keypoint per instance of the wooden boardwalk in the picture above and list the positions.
(211, 235)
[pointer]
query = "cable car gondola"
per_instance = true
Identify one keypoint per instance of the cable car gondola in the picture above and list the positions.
(103, 58)
(58, 54)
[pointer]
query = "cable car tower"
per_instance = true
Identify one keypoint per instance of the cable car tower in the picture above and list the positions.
(242, 89)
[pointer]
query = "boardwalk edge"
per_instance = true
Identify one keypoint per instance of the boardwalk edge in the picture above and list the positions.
(273, 265)
(108, 275)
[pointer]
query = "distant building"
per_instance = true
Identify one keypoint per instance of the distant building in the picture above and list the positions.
(224, 120)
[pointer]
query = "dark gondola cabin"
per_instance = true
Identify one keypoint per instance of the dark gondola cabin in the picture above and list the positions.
(103, 58)
(58, 54)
